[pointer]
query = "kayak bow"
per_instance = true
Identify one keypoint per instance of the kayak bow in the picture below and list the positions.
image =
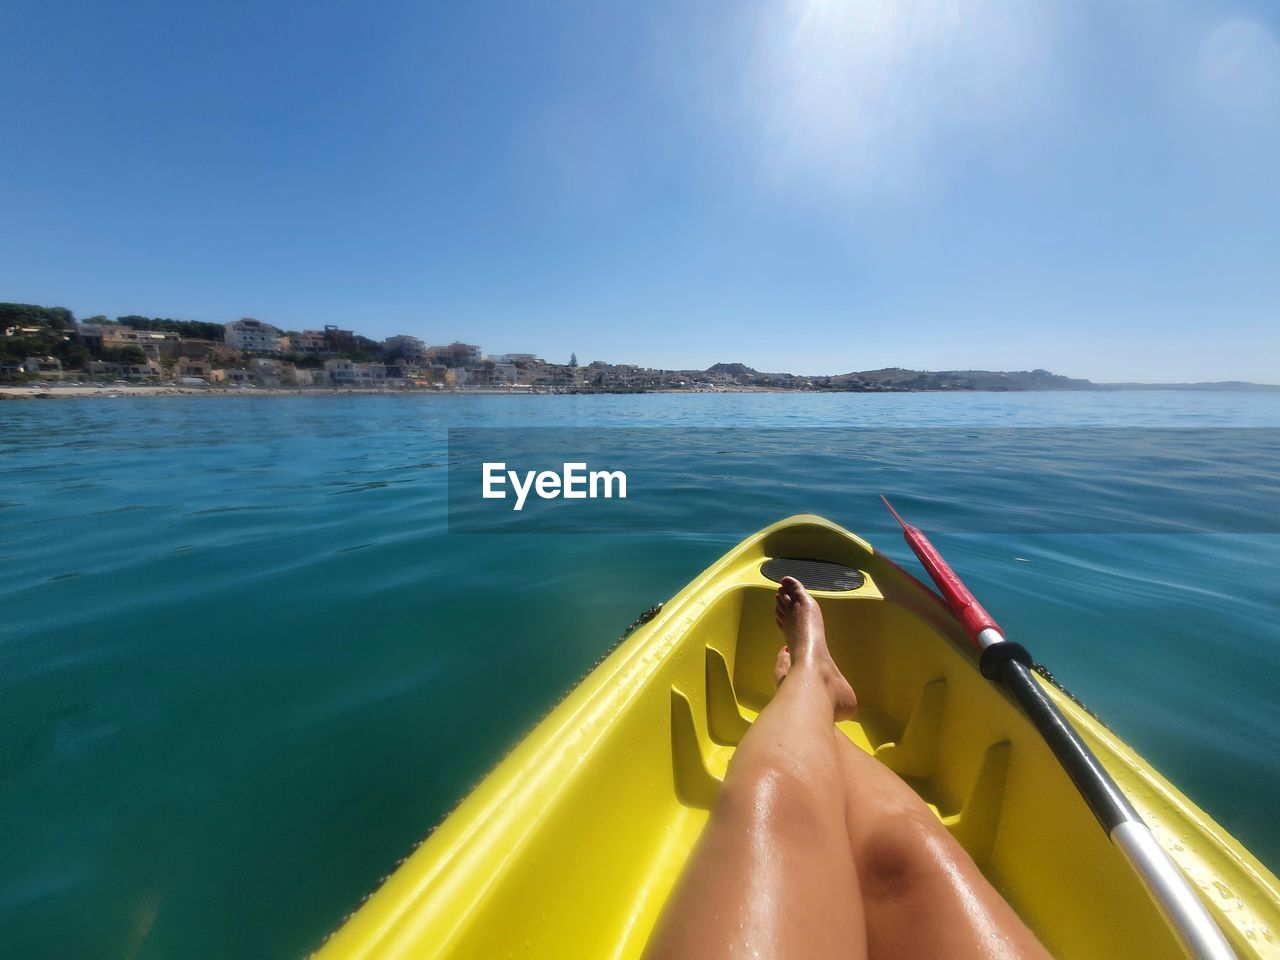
(572, 844)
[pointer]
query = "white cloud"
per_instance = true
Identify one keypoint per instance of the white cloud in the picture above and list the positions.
(1240, 70)
(864, 97)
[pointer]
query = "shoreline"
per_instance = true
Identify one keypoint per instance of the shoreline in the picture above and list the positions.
(60, 392)
(23, 392)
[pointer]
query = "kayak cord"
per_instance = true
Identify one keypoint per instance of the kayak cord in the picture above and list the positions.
(1044, 673)
(1010, 665)
(641, 620)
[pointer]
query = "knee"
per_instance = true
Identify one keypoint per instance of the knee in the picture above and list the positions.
(771, 798)
(900, 852)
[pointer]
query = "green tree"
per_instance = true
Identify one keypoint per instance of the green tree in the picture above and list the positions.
(573, 359)
(129, 353)
(73, 354)
(195, 329)
(33, 315)
(37, 331)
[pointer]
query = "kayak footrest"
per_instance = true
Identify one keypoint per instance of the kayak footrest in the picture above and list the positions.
(915, 753)
(979, 818)
(914, 757)
(725, 722)
(814, 574)
(695, 785)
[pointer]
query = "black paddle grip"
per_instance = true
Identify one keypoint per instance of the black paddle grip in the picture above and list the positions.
(1109, 805)
(993, 659)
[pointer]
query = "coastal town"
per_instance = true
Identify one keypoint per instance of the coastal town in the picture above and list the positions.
(252, 353)
(49, 346)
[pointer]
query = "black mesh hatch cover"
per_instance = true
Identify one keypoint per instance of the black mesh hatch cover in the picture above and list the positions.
(814, 574)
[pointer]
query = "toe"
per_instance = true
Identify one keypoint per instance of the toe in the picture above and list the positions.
(793, 590)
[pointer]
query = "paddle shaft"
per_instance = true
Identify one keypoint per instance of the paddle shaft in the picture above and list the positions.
(1182, 909)
(1009, 664)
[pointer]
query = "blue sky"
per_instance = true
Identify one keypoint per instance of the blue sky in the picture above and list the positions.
(815, 186)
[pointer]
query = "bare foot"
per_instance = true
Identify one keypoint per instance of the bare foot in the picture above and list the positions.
(800, 619)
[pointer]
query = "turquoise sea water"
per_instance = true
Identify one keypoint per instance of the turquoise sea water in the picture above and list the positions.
(244, 666)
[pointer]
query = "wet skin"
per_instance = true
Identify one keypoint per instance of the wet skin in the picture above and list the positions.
(816, 849)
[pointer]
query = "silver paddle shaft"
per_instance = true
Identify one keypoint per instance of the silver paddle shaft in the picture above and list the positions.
(1178, 903)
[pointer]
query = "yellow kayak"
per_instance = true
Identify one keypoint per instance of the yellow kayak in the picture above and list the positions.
(569, 848)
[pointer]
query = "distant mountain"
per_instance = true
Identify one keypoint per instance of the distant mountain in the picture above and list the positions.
(897, 378)
(1203, 385)
(901, 379)
(733, 369)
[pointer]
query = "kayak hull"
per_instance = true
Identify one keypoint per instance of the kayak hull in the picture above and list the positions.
(572, 844)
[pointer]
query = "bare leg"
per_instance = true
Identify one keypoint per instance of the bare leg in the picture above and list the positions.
(771, 875)
(923, 896)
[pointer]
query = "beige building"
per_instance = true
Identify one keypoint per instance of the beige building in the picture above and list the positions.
(49, 368)
(154, 343)
(190, 367)
(231, 375)
(310, 342)
(194, 348)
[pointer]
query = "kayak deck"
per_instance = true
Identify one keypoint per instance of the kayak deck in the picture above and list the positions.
(572, 844)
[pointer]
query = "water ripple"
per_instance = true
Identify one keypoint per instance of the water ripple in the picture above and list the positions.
(212, 656)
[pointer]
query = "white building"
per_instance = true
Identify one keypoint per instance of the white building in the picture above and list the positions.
(457, 354)
(507, 373)
(411, 348)
(345, 373)
(123, 371)
(253, 335)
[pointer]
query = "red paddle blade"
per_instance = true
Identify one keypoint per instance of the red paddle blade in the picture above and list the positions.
(897, 516)
(961, 602)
